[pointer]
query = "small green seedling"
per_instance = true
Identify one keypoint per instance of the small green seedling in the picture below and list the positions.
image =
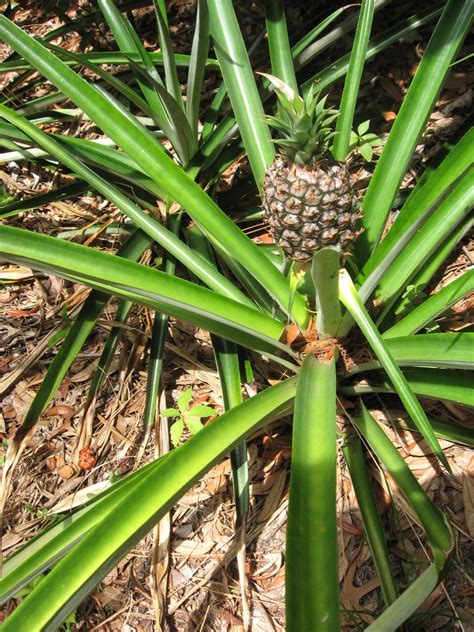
(410, 299)
(3, 451)
(5, 196)
(26, 590)
(362, 142)
(186, 416)
(114, 476)
(69, 622)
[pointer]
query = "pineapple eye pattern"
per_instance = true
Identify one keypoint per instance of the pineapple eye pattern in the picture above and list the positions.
(307, 196)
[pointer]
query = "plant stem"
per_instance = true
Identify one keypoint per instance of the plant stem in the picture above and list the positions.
(325, 273)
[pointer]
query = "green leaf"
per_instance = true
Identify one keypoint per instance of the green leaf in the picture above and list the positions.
(165, 237)
(77, 335)
(179, 131)
(112, 80)
(373, 140)
(392, 618)
(197, 66)
(170, 412)
(108, 351)
(227, 360)
(278, 43)
(411, 120)
(325, 274)
(366, 152)
(420, 204)
(201, 410)
(171, 73)
(194, 424)
(47, 547)
(445, 430)
(157, 344)
(184, 399)
(426, 272)
(36, 201)
(428, 238)
(308, 47)
(128, 41)
(432, 519)
(107, 57)
(176, 432)
(433, 307)
(240, 83)
(228, 367)
(351, 86)
(448, 350)
(440, 384)
(338, 69)
(376, 538)
(132, 281)
(363, 128)
(351, 300)
(312, 583)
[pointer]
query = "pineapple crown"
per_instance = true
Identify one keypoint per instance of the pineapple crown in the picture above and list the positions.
(304, 124)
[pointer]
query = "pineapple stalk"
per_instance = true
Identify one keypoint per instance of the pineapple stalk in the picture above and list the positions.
(325, 274)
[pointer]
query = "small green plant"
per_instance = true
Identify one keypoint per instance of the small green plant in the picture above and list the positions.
(186, 416)
(114, 476)
(4, 451)
(69, 622)
(5, 196)
(42, 513)
(362, 141)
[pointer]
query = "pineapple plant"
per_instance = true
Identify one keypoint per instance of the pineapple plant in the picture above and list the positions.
(85, 545)
(307, 195)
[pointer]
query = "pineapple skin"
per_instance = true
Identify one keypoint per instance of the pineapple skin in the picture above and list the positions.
(309, 207)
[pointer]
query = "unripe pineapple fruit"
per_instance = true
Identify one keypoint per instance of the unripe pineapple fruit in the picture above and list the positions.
(307, 196)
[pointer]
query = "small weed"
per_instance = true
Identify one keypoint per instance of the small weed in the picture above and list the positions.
(362, 141)
(186, 416)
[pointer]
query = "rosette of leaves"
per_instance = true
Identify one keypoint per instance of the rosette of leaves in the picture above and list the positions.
(249, 316)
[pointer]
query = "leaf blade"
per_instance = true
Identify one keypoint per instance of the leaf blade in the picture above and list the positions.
(411, 119)
(352, 302)
(240, 83)
(433, 307)
(351, 85)
(312, 598)
(169, 294)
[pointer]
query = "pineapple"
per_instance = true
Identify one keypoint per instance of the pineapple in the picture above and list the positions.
(307, 196)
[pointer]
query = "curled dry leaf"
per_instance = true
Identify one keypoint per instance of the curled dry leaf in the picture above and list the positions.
(66, 471)
(391, 88)
(15, 273)
(51, 463)
(22, 397)
(78, 498)
(62, 410)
